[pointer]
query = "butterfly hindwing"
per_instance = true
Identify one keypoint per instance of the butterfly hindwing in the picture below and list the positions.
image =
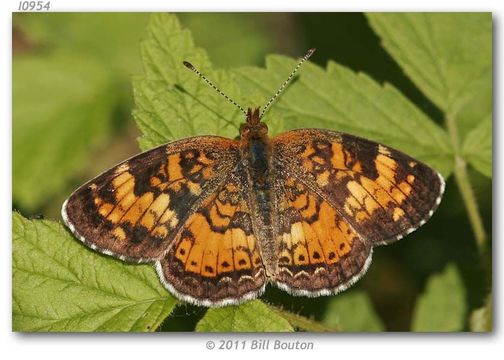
(382, 193)
(215, 260)
(319, 253)
(134, 210)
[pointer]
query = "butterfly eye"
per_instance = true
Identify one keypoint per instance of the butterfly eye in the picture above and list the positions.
(263, 128)
(245, 130)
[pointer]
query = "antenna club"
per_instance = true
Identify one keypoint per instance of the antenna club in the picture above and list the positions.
(309, 53)
(187, 64)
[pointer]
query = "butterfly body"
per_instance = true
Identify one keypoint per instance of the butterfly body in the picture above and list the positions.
(256, 158)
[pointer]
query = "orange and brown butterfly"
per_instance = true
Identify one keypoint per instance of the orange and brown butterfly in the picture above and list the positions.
(221, 218)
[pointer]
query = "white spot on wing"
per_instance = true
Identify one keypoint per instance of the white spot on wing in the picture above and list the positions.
(326, 292)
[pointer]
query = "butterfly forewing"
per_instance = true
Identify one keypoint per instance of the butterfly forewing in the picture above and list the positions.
(135, 210)
(380, 192)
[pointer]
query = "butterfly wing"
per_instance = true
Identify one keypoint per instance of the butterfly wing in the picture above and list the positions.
(319, 253)
(215, 260)
(337, 190)
(135, 210)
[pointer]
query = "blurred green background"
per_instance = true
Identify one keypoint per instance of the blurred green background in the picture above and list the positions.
(72, 103)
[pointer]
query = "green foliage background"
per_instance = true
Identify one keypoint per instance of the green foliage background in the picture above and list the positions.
(417, 82)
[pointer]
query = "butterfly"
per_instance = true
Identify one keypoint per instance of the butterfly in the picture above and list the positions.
(222, 218)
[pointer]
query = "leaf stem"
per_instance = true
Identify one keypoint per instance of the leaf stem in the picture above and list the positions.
(301, 322)
(464, 185)
(470, 202)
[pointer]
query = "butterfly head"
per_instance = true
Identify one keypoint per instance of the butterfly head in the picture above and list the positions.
(253, 128)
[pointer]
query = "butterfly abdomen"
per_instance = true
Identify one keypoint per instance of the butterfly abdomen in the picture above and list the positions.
(257, 157)
(259, 173)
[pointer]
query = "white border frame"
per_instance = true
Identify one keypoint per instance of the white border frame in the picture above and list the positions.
(178, 346)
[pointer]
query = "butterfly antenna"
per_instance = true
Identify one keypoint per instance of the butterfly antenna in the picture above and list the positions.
(191, 67)
(279, 91)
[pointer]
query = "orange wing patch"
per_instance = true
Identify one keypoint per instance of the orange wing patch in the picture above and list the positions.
(365, 195)
(216, 256)
(210, 252)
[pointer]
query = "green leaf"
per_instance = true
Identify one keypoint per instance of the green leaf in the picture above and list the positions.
(60, 285)
(477, 147)
(340, 99)
(252, 316)
(449, 57)
(59, 114)
(171, 101)
(352, 312)
(442, 306)
(240, 38)
(481, 319)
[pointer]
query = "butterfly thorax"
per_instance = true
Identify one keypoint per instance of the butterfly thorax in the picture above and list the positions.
(256, 148)
(256, 157)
